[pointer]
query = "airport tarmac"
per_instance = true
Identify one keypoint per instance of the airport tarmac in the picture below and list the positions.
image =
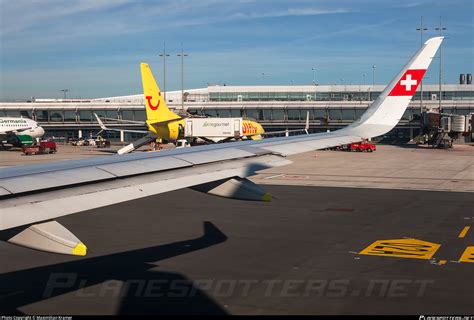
(15, 157)
(298, 254)
(312, 250)
(407, 167)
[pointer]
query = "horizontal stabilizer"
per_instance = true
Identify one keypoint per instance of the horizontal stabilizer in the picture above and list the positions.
(159, 122)
(105, 128)
(101, 124)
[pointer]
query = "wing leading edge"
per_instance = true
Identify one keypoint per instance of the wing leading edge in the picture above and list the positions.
(37, 193)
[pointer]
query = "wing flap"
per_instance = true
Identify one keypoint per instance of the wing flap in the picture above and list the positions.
(214, 155)
(144, 166)
(4, 192)
(54, 179)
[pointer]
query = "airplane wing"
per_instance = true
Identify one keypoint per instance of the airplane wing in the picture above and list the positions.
(37, 193)
(124, 121)
(104, 128)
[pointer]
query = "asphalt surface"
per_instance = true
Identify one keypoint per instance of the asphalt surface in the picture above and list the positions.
(189, 253)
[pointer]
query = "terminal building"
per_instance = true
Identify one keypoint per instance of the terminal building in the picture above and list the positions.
(330, 107)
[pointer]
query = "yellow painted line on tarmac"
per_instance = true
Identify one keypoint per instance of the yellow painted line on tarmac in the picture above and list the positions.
(402, 248)
(468, 255)
(464, 232)
(442, 262)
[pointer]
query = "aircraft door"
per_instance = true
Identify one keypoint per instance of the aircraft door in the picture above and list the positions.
(237, 127)
(189, 129)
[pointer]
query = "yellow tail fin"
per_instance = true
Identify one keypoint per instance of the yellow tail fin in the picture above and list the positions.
(155, 105)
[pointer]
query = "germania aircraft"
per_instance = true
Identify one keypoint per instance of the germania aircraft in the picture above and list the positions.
(13, 130)
(31, 197)
(164, 124)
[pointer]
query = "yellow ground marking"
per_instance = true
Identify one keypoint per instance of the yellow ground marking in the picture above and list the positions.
(402, 248)
(468, 255)
(464, 232)
(442, 262)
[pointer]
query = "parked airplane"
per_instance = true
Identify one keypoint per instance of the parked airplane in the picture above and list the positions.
(15, 130)
(31, 195)
(164, 124)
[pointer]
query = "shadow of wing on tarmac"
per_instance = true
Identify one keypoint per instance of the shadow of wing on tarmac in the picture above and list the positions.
(141, 291)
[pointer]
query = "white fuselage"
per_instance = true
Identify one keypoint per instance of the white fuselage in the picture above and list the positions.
(21, 126)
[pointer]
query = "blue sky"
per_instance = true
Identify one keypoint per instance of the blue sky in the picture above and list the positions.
(93, 48)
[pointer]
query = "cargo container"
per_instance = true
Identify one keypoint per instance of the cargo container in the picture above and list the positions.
(213, 127)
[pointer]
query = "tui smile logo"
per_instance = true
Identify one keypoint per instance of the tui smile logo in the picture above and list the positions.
(150, 105)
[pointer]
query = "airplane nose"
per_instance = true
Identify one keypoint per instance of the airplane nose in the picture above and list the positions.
(40, 131)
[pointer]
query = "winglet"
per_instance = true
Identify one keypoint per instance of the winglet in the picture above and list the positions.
(101, 124)
(306, 127)
(385, 112)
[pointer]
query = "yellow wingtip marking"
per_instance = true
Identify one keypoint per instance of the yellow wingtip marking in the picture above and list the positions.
(80, 250)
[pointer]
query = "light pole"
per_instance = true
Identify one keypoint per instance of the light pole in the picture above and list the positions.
(440, 28)
(292, 82)
(314, 70)
(164, 55)
(263, 77)
(421, 29)
(363, 76)
(65, 90)
(373, 74)
(182, 55)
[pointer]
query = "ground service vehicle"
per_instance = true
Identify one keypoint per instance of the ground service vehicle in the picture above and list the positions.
(362, 146)
(102, 143)
(44, 147)
(182, 143)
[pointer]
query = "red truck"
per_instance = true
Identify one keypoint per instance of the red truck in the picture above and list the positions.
(362, 146)
(44, 147)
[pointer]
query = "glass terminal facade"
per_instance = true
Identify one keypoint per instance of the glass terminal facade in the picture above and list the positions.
(335, 96)
(277, 108)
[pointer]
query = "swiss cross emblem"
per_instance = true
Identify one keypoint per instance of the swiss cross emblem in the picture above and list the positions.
(407, 84)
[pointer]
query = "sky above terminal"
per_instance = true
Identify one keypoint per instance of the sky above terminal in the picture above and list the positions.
(94, 48)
